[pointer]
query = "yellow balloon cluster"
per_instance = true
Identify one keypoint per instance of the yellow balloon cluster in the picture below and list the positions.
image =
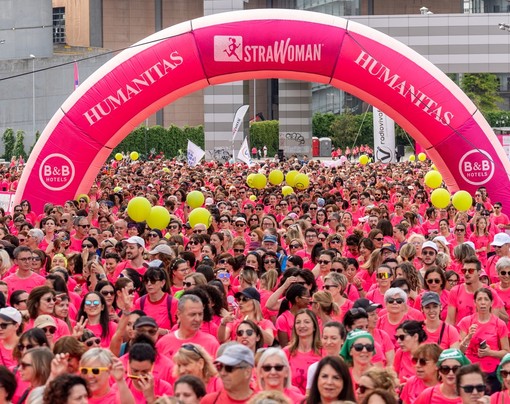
(158, 218)
(200, 216)
(290, 178)
(195, 199)
(363, 159)
(301, 181)
(249, 179)
(259, 181)
(139, 209)
(433, 179)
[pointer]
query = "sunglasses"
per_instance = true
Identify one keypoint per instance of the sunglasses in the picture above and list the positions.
(328, 287)
(400, 337)
(360, 347)
(243, 299)
(87, 246)
(324, 262)
(192, 348)
(194, 243)
(188, 284)
(269, 261)
(227, 368)
(428, 252)
(151, 331)
(222, 261)
(268, 368)
(92, 302)
(444, 370)
(249, 333)
(224, 275)
(51, 330)
(108, 293)
(459, 229)
(504, 374)
(22, 347)
(435, 280)
(239, 250)
(3, 326)
(85, 226)
(383, 275)
(24, 365)
(339, 270)
(198, 231)
(153, 235)
(240, 225)
(469, 388)
(379, 238)
(470, 270)
(49, 300)
(453, 281)
(90, 342)
(295, 246)
(174, 226)
(420, 361)
(334, 241)
(398, 300)
(94, 371)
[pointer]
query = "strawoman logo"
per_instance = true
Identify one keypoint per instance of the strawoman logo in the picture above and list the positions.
(56, 172)
(232, 49)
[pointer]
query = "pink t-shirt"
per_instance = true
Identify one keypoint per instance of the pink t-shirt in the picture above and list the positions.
(412, 390)
(14, 282)
(383, 339)
(285, 322)
(6, 358)
(112, 397)
(443, 297)
(97, 330)
(299, 364)
(384, 324)
(433, 395)
(450, 335)
(500, 397)
(464, 301)
(169, 344)
(403, 365)
(161, 388)
(491, 332)
(159, 310)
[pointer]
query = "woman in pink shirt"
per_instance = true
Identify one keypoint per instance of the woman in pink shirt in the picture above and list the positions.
(410, 334)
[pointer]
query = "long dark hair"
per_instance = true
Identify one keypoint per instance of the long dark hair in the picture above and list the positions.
(347, 393)
(104, 319)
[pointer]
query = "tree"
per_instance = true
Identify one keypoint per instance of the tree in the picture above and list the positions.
(482, 89)
(37, 135)
(321, 124)
(9, 140)
(19, 147)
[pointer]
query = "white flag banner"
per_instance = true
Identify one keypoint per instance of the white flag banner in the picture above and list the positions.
(384, 137)
(244, 153)
(195, 154)
(238, 120)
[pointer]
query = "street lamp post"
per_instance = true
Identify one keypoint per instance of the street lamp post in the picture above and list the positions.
(33, 93)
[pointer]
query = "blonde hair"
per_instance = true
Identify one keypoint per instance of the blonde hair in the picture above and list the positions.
(374, 261)
(383, 378)
(443, 260)
(271, 278)
(407, 252)
(339, 279)
(104, 356)
(198, 278)
(185, 356)
(6, 261)
(326, 303)
(270, 397)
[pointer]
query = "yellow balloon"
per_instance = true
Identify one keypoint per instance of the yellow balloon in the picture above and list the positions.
(462, 200)
(200, 216)
(412, 157)
(290, 177)
(158, 218)
(422, 157)
(259, 181)
(249, 179)
(253, 198)
(433, 179)
(276, 177)
(118, 156)
(302, 181)
(195, 199)
(440, 198)
(363, 159)
(117, 189)
(139, 209)
(433, 166)
(166, 169)
(134, 155)
(286, 190)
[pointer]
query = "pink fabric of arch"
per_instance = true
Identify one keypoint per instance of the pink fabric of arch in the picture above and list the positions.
(252, 44)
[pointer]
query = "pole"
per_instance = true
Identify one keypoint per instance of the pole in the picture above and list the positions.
(33, 94)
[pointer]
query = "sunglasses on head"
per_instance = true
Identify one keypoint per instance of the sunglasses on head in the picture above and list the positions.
(444, 370)
(360, 347)
(249, 333)
(90, 342)
(268, 368)
(94, 371)
(192, 348)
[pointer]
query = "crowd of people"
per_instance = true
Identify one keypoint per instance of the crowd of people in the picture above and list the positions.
(356, 289)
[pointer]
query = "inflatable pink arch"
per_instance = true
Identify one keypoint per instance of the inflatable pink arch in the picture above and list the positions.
(258, 44)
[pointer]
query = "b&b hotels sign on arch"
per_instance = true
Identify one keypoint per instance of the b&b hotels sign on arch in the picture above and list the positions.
(260, 44)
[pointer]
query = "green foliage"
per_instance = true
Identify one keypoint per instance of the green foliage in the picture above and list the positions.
(482, 89)
(265, 133)
(157, 139)
(19, 147)
(37, 135)
(498, 119)
(9, 140)
(321, 124)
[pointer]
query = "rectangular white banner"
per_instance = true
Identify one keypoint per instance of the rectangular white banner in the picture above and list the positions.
(384, 138)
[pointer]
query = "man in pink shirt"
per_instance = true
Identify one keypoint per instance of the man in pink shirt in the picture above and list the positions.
(190, 313)
(82, 226)
(24, 278)
(135, 246)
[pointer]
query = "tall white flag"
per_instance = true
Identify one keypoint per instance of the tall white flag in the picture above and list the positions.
(244, 153)
(238, 120)
(384, 137)
(195, 154)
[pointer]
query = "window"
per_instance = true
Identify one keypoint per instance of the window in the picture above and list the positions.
(59, 25)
